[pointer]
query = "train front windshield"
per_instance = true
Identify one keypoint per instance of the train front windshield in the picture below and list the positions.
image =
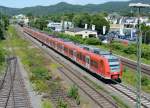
(114, 64)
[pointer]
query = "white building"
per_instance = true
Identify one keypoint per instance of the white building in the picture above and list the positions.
(56, 26)
(84, 33)
(21, 18)
(60, 26)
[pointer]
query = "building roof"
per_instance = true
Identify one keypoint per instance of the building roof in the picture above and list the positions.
(80, 29)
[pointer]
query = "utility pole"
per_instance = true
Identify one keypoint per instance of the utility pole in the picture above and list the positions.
(139, 44)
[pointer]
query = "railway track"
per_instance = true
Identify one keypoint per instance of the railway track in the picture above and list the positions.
(145, 69)
(124, 90)
(12, 91)
(60, 94)
(131, 94)
(98, 97)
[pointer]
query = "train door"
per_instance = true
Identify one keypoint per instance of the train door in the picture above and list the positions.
(74, 55)
(102, 71)
(87, 60)
(62, 50)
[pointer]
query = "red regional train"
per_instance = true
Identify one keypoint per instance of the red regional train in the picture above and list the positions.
(94, 59)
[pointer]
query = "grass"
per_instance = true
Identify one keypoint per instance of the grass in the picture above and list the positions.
(129, 77)
(41, 71)
(54, 66)
(33, 60)
(47, 104)
(3, 53)
(120, 102)
(38, 66)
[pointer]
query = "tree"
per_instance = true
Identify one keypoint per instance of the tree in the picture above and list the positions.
(41, 23)
(81, 19)
(1, 32)
(146, 33)
(69, 16)
(30, 15)
(5, 20)
(99, 21)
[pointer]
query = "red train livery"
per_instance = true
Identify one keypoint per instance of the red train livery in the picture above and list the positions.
(94, 59)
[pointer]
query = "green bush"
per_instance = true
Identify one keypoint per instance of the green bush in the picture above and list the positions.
(73, 93)
(40, 73)
(131, 49)
(145, 81)
(61, 104)
(92, 41)
(47, 104)
(118, 46)
(40, 86)
(125, 69)
(146, 52)
(2, 56)
(76, 39)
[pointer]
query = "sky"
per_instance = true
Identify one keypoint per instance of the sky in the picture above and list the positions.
(29, 3)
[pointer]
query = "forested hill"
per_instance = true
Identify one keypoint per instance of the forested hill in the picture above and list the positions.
(63, 7)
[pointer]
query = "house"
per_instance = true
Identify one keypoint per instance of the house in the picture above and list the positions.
(60, 26)
(131, 22)
(113, 18)
(56, 26)
(84, 33)
(21, 18)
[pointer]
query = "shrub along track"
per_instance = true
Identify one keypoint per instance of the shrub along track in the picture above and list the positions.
(12, 91)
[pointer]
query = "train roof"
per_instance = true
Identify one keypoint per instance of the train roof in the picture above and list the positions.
(99, 51)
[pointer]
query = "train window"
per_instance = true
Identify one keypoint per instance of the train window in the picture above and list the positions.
(71, 52)
(96, 52)
(94, 64)
(91, 62)
(66, 49)
(113, 60)
(80, 56)
(60, 47)
(75, 53)
(87, 59)
(83, 58)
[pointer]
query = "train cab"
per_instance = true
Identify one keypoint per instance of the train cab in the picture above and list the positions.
(115, 66)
